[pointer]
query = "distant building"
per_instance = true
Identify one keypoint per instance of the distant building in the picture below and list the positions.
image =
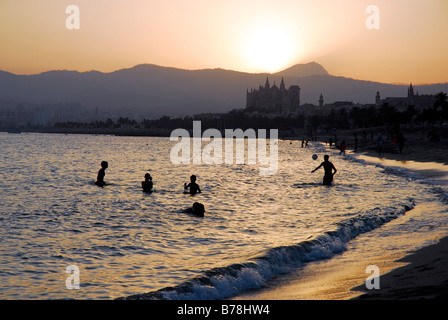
(420, 102)
(30, 115)
(378, 99)
(311, 108)
(321, 101)
(342, 104)
(274, 99)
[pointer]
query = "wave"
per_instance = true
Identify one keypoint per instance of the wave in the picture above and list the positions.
(229, 281)
(441, 193)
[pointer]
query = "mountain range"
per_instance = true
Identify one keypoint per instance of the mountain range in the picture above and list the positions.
(151, 91)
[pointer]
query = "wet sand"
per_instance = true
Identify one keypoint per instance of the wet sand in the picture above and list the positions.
(424, 277)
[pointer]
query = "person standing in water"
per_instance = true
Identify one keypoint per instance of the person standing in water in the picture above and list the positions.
(193, 186)
(330, 171)
(147, 184)
(101, 173)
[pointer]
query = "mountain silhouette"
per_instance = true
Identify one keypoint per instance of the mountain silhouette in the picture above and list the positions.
(152, 91)
(304, 70)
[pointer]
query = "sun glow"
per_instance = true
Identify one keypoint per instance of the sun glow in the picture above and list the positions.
(269, 48)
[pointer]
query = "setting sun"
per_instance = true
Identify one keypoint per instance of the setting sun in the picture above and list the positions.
(269, 48)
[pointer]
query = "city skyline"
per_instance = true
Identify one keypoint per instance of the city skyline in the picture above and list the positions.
(254, 37)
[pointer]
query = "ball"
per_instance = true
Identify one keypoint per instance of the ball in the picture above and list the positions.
(314, 156)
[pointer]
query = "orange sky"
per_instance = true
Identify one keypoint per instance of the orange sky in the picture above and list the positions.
(249, 36)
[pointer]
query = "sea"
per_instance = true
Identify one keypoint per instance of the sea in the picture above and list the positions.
(63, 237)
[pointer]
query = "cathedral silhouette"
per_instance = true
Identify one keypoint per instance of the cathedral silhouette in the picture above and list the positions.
(273, 99)
(419, 101)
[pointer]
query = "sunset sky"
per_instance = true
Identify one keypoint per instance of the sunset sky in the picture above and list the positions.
(249, 36)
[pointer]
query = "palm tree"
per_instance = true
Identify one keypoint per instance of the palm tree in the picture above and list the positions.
(441, 100)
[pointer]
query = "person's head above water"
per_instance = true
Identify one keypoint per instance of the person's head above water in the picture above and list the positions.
(193, 178)
(198, 209)
(104, 164)
(326, 157)
(148, 176)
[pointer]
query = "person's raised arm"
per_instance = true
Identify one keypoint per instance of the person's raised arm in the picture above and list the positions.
(317, 167)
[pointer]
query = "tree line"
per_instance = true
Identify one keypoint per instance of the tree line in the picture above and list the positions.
(341, 118)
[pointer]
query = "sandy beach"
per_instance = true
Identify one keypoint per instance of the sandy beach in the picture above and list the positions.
(424, 277)
(418, 147)
(425, 273)
(421, 274)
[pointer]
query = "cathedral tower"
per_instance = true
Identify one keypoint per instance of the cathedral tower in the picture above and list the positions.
(321, 101)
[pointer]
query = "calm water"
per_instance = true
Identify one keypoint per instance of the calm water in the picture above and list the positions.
(126, 242)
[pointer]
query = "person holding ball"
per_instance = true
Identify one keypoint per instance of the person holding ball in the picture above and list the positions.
(330, 171)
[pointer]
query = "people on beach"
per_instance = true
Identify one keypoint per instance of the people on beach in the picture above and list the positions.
(193, 186)
(147, 184)
(380, 146)
(329, 169)
(342, 147)
(101, 173)
(401, 139)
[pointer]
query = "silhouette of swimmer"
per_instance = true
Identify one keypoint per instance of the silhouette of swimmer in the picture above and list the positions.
(193, 186)
(330, 171)
(197, 209)
(147, 184)
(101, 173)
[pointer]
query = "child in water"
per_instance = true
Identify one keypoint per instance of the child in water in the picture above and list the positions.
(147, 184)
(193, 186)
(101, 173)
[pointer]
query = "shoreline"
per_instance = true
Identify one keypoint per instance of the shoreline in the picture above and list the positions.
(417, 148)
(343, 276)
(419, 274)
(425, 273)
